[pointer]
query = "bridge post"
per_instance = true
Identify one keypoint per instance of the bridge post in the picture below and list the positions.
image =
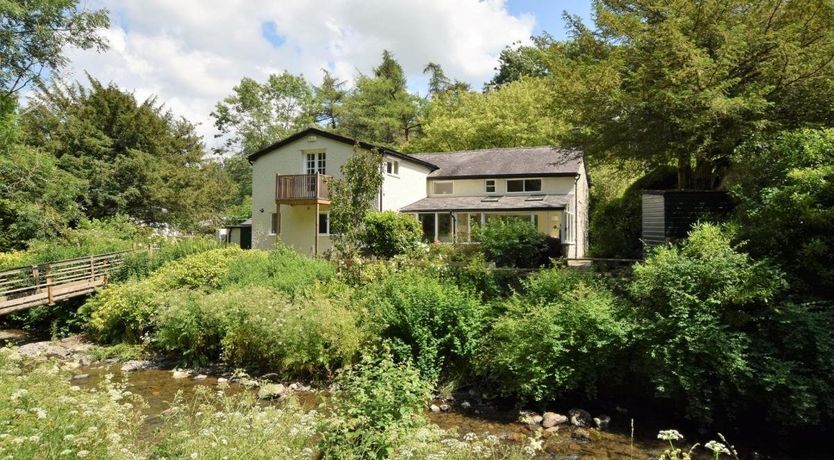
(49, 285)
(92, 268)
(37, 278)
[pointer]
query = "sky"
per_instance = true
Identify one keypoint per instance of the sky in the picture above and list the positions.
(191, 53)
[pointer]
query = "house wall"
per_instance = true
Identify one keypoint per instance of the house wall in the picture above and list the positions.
(476, 187)
(406, 187)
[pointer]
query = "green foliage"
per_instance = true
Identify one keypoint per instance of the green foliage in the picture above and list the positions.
(516, 115)
(616, 223)
(512, 243)
(132, 157)
(672, 81)
(351, 198)
(435, 323)
(566, 334)
(389, 233)
(691, 303)
(192, 326)
(36, 34)
(43, 416)
(282, 268)
(377, 402)
(258, 114)
(520, 61)
(785, 189)
(120, 351)
(141, 265)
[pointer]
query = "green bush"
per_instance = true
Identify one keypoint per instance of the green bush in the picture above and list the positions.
(567, 334)
(512, 243)
(435, 323)
(377, 403)
(140, 265)
(691, 303)
(388, 233)
(282, 268)
(191, 325)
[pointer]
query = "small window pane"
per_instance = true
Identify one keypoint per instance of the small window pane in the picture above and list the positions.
(444, 228)
(427, 220)
(443, 188)
(515, 185)
(324, 224)
(490, 186)
(533, 185)
(275, 226)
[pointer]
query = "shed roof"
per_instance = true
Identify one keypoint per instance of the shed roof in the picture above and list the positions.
(504, 162)
(493, 203)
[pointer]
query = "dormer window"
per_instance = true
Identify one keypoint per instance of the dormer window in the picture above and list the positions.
(524, 185)
(489, 186)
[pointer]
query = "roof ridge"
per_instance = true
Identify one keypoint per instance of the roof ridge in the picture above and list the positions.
(498, 148)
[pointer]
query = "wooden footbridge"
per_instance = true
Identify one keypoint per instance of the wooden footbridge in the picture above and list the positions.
(45, 284)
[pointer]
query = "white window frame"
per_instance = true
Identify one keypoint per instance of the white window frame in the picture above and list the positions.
(524, 184)
(392, 168)
(434, 187)
(326, 231)
(570, 222)
(487, 185)
(274, 223)
(319, 158)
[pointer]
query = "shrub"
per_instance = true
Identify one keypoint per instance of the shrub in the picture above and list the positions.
(435, 323)
(512, 243)
(191, 326)
(691, 305)
(44, 416)
(140, 265)
(377, 401)
(282, 268)
(388, 233)
(566, 335)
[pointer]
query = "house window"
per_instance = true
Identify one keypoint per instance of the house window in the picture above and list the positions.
(489, 185)
(324, 223)
(275, 225)
(524, 185)
(316, 163)
(392, 167)
(570, 221)
(443, 188)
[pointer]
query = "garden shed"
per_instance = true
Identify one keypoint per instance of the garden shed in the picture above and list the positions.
(668, 215)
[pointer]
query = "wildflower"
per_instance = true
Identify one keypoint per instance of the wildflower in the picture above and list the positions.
(65, 452)
(41, 413)
(194, 455)
(669, 435)
(82, 453)
(717, 448)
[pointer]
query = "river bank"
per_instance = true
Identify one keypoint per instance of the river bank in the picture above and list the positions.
(465, 415)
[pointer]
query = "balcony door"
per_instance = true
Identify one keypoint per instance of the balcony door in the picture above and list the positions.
(316, 163)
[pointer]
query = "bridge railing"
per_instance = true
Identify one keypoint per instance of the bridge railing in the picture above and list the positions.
(18, 284)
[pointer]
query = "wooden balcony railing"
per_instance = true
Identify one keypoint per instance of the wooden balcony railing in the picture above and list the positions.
(302, 188)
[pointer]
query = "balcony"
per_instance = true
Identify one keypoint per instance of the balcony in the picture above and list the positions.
(302, 189)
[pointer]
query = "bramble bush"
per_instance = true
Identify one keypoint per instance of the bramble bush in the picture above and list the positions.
(435, 323)
(512, 243)
(389, 233)
(566, 334)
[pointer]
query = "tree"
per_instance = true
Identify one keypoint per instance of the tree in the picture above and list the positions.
(351, 198)
(329, 96)
(133, 158)
(784, 185)
(380, 109)
(440, 83)
(521, 61)
(687, 82)
(257, 114)
(518, 114)
(34, 34)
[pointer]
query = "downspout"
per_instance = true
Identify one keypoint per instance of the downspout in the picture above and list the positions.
(575, 216)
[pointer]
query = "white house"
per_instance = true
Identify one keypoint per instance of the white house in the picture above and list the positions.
(449, 193)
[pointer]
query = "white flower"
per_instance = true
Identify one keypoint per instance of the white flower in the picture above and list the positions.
(670, 435)
(194, 455)
(717, 448)
(41, 413)
(82, 453)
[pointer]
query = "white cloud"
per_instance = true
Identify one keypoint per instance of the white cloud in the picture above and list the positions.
(192, 52)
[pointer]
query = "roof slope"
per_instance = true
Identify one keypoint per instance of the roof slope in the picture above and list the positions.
(491, 203)
(338, 138)
(504, 162)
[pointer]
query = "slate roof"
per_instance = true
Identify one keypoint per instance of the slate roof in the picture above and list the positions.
(483, 203)
(504, 162)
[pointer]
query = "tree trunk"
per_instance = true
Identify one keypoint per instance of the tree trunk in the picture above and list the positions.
(684, 170)
(703, 173)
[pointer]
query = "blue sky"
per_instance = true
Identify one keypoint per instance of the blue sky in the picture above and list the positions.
(191, 53)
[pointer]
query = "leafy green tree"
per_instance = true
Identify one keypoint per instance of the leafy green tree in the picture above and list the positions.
(257, 114)
(520, 61)
(352, 196)
(329, 96)
(34, 34)
(380, 109)
(389, 233)
(440, 83)
(512, 243)
(133, 158)
(518, 114)
(687, 82)
(785, 189)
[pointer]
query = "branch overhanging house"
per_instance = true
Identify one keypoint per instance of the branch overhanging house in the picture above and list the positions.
(449, 193)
